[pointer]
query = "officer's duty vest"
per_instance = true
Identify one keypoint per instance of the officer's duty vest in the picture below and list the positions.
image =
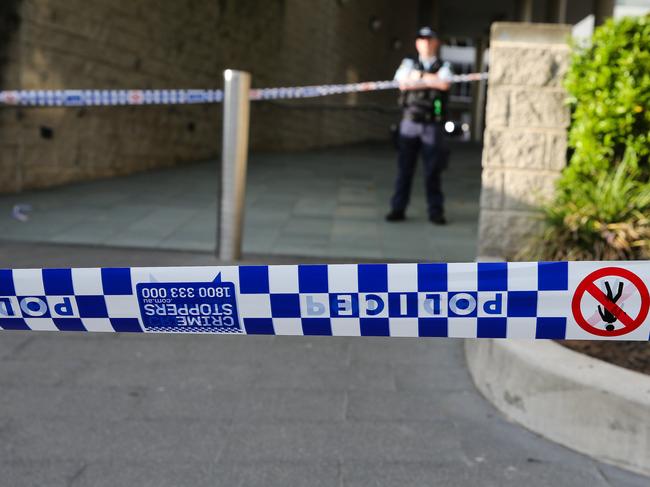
(428, 105)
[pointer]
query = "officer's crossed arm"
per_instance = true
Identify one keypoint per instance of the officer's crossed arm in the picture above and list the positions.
(416, 79)
(412, 79)
(434, 81)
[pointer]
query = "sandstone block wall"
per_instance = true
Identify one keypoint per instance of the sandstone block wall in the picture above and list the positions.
(56, 44)
(525, 136)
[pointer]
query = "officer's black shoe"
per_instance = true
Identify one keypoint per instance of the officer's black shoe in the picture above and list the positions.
(395, 216)
(438, 220)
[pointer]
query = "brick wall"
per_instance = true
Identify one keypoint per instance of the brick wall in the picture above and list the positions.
(188, 43)
(525, 137)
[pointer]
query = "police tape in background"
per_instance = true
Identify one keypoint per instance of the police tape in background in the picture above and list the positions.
(558, 300)
(77, 98)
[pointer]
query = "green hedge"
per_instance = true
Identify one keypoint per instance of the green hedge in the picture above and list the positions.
(609, 91)
(601, 208)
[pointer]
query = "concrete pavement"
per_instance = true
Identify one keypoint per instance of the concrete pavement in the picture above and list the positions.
(94, 410)
(327, 204)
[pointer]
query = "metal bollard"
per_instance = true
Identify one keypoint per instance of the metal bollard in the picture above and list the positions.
(234, 159)
(479, 93)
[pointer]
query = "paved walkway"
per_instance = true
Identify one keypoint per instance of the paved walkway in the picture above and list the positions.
(81, 410)
(327, 204)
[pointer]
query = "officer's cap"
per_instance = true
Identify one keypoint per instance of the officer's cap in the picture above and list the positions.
(427, 33)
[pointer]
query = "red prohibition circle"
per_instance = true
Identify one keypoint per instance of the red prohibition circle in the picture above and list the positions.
(588, 285)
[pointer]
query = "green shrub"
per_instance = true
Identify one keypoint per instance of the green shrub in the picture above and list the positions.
(607, 218)
(601, 208)
(609, 92)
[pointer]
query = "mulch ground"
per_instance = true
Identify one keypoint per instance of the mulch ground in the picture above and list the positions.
(631, 355)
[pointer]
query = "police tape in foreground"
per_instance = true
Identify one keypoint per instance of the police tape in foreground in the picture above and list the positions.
(558, 300)
(77, 98)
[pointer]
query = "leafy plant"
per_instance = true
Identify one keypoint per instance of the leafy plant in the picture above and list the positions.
(609, 92)
(601, 208)
(605, 219)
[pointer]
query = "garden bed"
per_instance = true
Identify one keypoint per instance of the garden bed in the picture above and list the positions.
(630, 355)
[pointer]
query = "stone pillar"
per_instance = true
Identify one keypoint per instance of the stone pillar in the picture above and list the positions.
(525, 137)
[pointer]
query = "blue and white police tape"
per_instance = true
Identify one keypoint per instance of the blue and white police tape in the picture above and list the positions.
(77, 98)
(326, 90)
(556, 300)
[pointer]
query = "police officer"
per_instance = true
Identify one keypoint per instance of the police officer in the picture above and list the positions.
(421, 128)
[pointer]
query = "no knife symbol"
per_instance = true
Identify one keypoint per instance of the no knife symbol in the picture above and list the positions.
(606, 315)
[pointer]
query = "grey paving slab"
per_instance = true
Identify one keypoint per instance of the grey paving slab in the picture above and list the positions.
(358, 211)
(30, 472)
(88, 232)
(315, 206)
(405, 351)
(197, 474)
(187, 242)
(41, 373)
(408, 406)
(308, 227)
(197, 233)
(290, 247)
(319, 204)
(326, 376)
(440, 378)
(462, 474)
(12, 342)
(457, 253)
(96, 438)
(124, 213)
(54, 402)
(263, 245)
(355, 230)
(348, 441)
(160, 410)
(358, 247)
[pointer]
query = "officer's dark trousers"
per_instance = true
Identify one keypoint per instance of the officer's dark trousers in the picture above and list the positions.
(414, 138)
